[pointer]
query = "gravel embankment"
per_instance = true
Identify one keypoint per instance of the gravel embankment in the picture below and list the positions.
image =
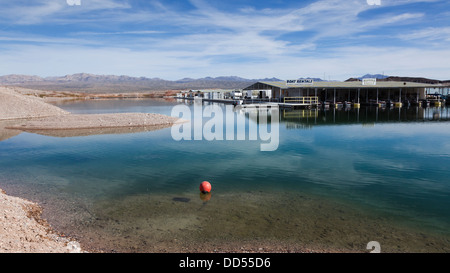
(23, 231)
(16, 106)
(32, 113)
(89, 121)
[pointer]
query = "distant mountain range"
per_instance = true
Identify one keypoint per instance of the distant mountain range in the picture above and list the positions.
(400, 79)
(376, 76)
(367, 76)
(91, 83)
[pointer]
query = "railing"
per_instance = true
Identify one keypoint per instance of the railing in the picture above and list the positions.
(258, 100)
(302, 100)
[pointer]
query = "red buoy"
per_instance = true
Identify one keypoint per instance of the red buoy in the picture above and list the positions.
(205, 187)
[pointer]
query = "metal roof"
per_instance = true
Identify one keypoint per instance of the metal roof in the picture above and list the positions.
(354, 84)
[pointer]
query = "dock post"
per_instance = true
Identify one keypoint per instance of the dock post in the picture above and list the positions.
(358, 94)
(377, 99)
(357, 105)
(417, 97)
(399, 103)
(334, 98)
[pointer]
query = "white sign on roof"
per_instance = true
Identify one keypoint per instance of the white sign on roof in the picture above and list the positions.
(369, 81)
(299, 81)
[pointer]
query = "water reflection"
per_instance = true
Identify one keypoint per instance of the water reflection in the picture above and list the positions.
(366, 116)
(146, 185)
(205, 197)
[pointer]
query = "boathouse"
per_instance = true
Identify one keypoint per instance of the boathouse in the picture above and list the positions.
(368, 91)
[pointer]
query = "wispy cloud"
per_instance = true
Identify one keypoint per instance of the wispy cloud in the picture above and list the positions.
(246, 20)
(49, 11)
(136, 32)
(428, 34)
(198, 38)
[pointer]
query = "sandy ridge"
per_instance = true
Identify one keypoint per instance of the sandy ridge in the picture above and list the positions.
(36, 114)
(17, 106)
(88, 121)
(22, 230)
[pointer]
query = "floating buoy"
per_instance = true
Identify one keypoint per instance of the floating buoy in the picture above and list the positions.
(205, 187)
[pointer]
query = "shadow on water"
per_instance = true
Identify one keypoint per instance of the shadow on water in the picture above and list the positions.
(365, 115)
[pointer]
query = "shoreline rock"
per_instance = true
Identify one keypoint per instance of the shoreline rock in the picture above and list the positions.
(22, 230)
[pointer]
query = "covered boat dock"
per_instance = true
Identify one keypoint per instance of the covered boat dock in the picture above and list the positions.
(354, 93)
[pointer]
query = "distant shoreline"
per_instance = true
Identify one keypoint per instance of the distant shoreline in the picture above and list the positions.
(96, 84)
(26, 110)
(51, 96)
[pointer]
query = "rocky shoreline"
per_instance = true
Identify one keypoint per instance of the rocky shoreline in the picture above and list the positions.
(22, 230)
(147, 121)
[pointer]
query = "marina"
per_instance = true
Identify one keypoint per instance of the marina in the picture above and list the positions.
(327, 94)
(225, 127)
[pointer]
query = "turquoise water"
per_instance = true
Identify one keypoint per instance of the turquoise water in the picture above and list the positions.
(338, 179)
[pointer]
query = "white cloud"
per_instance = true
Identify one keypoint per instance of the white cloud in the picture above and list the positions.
(32, 38)
(174, 64)
(391, 19)
(64, 59)
(207, 41)
(404, 2)
(136, 32)
(428, 34)
(44, 11)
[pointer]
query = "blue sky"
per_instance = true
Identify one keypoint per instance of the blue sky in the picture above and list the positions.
(253, 39)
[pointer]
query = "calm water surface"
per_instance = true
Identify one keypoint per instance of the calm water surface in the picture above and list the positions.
(339, 179)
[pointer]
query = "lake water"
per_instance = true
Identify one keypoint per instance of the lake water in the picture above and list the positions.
(337, 180)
